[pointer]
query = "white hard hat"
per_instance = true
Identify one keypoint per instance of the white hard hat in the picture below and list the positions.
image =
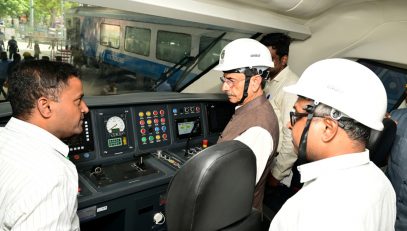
(244, 52)
(347, 86)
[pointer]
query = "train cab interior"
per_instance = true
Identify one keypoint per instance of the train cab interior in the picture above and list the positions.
(155, 103)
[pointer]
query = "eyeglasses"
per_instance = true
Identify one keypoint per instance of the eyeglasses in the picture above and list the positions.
(229, 82)
(295, 116)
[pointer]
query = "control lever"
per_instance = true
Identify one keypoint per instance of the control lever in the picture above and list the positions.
(193, 130)
(159, 154)
(187, 146)
(140, 162)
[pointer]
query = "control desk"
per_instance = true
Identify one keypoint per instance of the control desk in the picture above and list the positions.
(131, 146)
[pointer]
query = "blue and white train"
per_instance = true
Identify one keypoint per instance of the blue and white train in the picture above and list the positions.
(154, 50)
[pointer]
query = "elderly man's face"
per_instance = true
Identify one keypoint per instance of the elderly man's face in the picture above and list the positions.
(233, 86)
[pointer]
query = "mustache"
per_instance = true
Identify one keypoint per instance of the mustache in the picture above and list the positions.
(229, 94)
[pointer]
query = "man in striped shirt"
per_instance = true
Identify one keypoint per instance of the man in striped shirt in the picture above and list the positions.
(38, 184)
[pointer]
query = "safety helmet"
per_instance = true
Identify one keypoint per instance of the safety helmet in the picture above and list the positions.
(346, 86)
(244, 52)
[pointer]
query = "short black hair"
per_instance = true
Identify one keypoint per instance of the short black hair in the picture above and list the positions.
(278, 41)
(34, 79)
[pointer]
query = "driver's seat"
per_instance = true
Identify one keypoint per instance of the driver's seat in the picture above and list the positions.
(214, 191)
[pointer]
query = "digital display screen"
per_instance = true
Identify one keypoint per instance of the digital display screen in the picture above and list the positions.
(115, 142)
(185, 127)
(188, 127)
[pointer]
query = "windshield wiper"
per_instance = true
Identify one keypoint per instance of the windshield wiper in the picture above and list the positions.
(187, 62)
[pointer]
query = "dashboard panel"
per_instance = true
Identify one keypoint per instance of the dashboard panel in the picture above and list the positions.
(131, 146)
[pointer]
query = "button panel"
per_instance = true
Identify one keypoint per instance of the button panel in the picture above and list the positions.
(152, 126)
(81, 146)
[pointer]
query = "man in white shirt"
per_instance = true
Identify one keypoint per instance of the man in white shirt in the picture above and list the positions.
(282, 102)
(244, 63)
(339, 102)
(38, 184)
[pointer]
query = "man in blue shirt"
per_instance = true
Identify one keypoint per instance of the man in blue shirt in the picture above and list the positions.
(397, 168)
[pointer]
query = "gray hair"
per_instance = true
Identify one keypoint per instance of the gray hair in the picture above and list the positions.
(355, 130)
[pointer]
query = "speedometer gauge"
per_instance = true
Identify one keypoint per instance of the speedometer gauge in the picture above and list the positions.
(115, 124)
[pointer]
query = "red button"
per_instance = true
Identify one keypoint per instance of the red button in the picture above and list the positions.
(204, 143)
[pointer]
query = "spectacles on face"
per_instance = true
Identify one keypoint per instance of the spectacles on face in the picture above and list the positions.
(295, 116)
(229, 82)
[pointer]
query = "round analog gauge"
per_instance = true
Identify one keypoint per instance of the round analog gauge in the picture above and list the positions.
(115, 124)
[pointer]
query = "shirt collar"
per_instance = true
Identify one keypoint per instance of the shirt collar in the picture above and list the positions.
(313, 170)
(281, 75)
(37, 133)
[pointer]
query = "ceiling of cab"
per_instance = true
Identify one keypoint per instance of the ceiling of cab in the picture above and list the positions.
(264, 16)
(224, 13)
(302, 9)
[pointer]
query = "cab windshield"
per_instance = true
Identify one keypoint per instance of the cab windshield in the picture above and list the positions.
(116, 51)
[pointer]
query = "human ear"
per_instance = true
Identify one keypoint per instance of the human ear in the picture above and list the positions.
(284, 60)
(256, 83)
(44, 107)
(330, 131)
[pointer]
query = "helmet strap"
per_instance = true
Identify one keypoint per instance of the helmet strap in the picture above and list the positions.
(248, 74)
(302, 150)
(246, 89)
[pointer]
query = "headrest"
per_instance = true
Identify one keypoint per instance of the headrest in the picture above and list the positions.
(213, 189)
(380, 142)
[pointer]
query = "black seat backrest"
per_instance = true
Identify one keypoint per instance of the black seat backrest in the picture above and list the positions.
(380, 142)
(213, 190)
